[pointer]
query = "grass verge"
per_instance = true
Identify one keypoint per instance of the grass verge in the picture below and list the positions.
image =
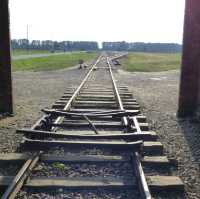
(17, 52)
(151, 62)
(52, 62)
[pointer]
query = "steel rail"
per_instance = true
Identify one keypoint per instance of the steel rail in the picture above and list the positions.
(116, 113)
(91, 124)
(20, 178)
(28, 166)
(144, 189)
(43, 117)
(116, 92)
(138, 170)
(69, 103)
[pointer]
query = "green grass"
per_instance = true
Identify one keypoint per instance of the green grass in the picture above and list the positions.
(17, 52)
(53, 62)
(152, 62)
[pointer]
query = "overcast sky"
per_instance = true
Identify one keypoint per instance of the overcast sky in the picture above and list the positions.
(98, 20)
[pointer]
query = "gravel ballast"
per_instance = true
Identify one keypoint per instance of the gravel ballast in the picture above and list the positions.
(88, 194)
(157, 93)
(34, 91)
(58, 169)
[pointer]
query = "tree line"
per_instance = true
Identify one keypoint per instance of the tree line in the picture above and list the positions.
(54, 45)
(142, 47)
(92, 45)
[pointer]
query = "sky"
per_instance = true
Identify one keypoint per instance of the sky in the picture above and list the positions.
(98, 20)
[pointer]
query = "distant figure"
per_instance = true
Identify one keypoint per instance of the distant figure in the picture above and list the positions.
(81, 63)
(85, 65)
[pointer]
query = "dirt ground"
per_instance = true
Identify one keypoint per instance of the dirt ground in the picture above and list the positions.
(34, 91)
(157, 94)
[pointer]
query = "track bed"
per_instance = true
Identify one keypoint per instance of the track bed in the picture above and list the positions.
(93, 143)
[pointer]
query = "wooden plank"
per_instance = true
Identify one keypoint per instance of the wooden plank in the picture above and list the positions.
(153, 148)
(96, 119)
(148, 147)
(98, 123)
(104, 144)
(144, 126)
(98, 99)
(5, 180)
(84, 159)
(13, 157)
(102, 102)
(127, 94)
(93, 96)
(91, 112)
(155, 183)
(76, 183)
(158, 183)
(101, 97)
(150, 136)
(155, 160)
(98, 87)
(58, 106)
(19, 157)
(83, 96)
(82, 125)
(86, 106)
(98, 103)
(105, 124)
(105, 106)
(141, 119)
(83, 183)
(91, 93)
(97, 90)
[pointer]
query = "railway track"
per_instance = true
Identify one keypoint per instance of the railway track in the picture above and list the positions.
(93, 138)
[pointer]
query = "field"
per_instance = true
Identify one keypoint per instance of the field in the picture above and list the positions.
(53, 62)
(152, 62)
(28, 52)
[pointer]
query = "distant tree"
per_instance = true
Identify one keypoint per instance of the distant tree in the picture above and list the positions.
(142, 47)
(35, 44)
(47, 45)
(14, 44)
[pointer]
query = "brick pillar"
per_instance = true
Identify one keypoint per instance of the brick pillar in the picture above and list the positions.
(190, 72)
(6, 102)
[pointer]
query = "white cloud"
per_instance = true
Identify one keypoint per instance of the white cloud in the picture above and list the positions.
(101, 20)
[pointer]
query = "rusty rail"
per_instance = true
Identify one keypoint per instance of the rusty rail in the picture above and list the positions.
(144, 189)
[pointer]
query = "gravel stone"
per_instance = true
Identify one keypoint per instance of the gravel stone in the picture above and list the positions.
(181, 138)
(89, 194)
(34, 91)
(83, 170)
(157, 93)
